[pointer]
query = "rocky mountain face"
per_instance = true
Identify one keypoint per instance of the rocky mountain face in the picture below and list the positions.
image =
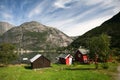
(110, 27)
(35, 36)
(4, 26)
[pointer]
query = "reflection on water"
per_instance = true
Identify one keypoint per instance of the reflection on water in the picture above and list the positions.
(49, 55)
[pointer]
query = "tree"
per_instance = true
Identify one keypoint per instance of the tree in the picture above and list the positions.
(99, 48)
(7, 53)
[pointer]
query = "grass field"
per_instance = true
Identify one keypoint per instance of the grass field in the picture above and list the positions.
(55, 72)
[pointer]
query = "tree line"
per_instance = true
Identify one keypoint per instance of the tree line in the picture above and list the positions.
(7, 54)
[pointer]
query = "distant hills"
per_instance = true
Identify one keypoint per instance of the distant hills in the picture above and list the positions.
(110, 27)
(35, 36)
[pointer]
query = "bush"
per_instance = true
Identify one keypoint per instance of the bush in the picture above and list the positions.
(105, 66)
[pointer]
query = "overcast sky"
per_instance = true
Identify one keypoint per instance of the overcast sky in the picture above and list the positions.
(73, 17)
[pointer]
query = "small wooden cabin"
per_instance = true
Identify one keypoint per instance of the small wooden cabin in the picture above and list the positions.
(65, 59)
(39, 61)
(81, 55)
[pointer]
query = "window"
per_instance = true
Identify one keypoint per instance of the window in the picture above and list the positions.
(79, 55)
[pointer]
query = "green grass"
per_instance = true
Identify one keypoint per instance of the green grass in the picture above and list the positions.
(55, 72)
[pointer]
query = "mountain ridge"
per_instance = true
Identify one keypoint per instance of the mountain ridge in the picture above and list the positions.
(5, 26)
(34, 35)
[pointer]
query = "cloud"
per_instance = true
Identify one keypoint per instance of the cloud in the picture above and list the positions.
(39, 8)
(73, 17)
(116, 4)
(103, 3)
(62, 21)
(81, 28)
(91, 2)
(24, 4)
(77, 22)
(6, 15)
(62, 3)
(2, 6)
(35, 11)
(94, 2)
(60, 24)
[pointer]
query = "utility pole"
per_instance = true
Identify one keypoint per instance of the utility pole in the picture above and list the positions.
(21, 44)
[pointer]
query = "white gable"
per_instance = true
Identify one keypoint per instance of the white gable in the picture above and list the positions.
(35, 57)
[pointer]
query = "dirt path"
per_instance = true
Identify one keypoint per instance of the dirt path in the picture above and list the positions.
(117, 75)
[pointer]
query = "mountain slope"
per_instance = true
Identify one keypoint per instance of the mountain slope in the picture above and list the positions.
(110, 27)
(4, 26)
(35, 36)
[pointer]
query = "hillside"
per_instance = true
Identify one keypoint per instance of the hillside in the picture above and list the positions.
(35, 36)
(110, 27)
(4, 26)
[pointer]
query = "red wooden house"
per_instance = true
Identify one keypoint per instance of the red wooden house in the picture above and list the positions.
(39, 61)
(81, 55)
(65, 59)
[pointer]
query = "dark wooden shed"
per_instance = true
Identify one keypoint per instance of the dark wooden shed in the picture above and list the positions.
(39, 61)
(81, 55)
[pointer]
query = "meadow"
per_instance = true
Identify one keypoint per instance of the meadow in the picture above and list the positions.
(56, 72)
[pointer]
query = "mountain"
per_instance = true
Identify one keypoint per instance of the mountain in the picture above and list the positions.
(4, 26)
(110, 27)
(35, 36)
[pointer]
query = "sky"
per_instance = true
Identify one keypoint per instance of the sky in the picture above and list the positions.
(73, 17)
